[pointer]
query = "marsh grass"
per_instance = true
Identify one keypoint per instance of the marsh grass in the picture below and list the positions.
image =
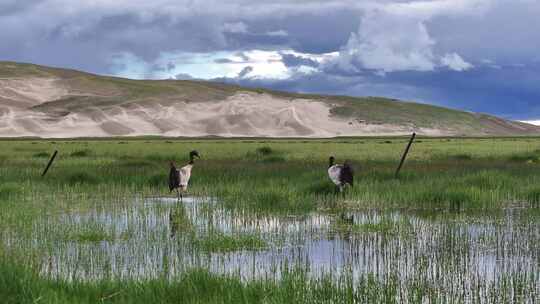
(385, 225)
(264, 150)
(90, 234)
(453, 183)
(525, 157)
(158, 180)
(180, 222)
(462, 156)
(136, 164)
(533, 196)
(42, 155)
(20, 285)
(219, 242)
(10, 190)
(266, 154)
(81, 178)
(81, 153)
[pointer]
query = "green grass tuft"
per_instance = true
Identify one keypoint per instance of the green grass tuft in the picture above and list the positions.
(81, 178)
(462, 156)
(158, 180)
(525, 157)
(533, 196)
(41, 155)
(273, 159)
(219, 242)
(264, 150)
(10, 190)
(81, 153)
(90, 235)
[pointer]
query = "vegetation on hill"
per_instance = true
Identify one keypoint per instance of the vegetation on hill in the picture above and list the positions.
(93, 91)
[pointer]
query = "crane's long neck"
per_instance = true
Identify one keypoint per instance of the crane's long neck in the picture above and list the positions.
(330, 162)
(191, 160)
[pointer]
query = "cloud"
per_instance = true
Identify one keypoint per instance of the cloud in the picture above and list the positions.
(242, 56)
(455, 62)
(223, 60)
(183, 76)
(430, 50)
(86, 34)
(171, 66)
(10, 7)
(395, 37)
(510, 91)
(245, 71)
(292, 60)
(278, 33)
(235, 27)
(532, 122)
(389, 43)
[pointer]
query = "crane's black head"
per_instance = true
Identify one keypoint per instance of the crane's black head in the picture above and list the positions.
(331, 161)
(193, 154)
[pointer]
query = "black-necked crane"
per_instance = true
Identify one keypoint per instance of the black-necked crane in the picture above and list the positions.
(341, 175)
(179, 178)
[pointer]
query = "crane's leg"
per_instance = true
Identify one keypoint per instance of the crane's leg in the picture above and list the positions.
(342, 189)
(172, 223)
(178, 195)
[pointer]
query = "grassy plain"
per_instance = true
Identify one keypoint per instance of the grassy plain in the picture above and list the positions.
(447, 186)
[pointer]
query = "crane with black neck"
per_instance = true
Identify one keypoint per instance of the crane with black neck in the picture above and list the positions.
(179, 178)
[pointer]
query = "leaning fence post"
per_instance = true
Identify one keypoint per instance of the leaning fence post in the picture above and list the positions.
(50, 163)
(405, 154)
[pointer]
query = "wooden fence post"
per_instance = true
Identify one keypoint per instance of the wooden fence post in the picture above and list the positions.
(49, 164)
(405, 154)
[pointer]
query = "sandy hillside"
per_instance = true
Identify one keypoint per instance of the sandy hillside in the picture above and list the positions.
(46, 102)
(243, 114)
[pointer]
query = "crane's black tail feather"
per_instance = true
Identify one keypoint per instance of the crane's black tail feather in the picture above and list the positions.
(174, 179)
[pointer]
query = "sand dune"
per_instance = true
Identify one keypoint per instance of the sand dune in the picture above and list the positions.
(25, 92)
(63, 103)
(243, 114)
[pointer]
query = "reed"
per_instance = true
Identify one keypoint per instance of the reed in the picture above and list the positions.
(261, 222)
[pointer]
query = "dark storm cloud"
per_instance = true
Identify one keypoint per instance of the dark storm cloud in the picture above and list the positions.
(85, 35)
(146, 38)
(254, 41)
(506, 33)
(243, 56)
(183, 76)
(479, 55)
(245, 71)
(10, 7)
(509, 91)
(291, 60)
(303, 83)
(163, 68)
(223, 60)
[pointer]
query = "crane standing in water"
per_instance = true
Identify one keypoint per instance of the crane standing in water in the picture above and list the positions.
(179, 178)
(341, 175)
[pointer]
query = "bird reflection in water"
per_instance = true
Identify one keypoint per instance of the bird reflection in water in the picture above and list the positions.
(179, 221)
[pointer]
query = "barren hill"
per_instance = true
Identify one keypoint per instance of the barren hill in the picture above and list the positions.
(50, 102)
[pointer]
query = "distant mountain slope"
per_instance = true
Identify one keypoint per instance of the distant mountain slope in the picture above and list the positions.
(50, 102)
